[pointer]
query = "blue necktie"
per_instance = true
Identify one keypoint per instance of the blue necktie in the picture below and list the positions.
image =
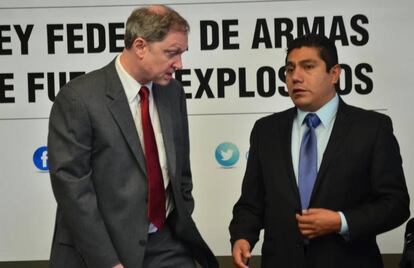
(308, 160)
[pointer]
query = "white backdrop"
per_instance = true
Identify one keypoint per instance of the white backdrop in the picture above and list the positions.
(229, 86)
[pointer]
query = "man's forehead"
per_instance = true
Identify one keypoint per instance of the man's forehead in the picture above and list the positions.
(174, 38)
(304, 54)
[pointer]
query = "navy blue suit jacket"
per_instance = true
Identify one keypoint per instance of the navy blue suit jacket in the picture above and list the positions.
(360, 174)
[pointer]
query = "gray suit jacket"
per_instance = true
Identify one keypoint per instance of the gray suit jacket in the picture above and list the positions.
(98, 174)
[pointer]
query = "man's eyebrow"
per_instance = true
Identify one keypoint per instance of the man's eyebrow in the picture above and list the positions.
(307, 61)
(301, 62)
(177, 49)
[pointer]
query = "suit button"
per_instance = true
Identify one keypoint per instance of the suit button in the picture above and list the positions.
(142, 242)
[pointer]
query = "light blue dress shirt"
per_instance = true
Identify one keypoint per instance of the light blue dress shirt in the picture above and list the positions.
(327, 115)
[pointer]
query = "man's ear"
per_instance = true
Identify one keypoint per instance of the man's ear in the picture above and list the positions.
(335, 73)
(140, 46)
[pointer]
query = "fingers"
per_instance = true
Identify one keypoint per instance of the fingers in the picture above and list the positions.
(306, 225)
(241, 260)
(316, 222)
(241, 253)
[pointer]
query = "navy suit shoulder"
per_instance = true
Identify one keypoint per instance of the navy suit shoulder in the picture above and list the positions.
(278, 121)
(362, 114)
(269, 119)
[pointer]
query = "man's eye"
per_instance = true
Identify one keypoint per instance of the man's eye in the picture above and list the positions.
(309, 66)
(171, 53)
(289, 69)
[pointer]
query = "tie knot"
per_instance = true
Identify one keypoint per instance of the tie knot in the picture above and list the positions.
(143, 92)
(312, 120)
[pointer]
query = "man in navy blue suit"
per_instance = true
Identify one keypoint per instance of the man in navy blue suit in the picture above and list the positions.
(358, 190)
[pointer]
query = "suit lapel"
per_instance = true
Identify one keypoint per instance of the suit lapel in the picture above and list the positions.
(163, 105)
(119, 107)
(286, 146)
(339, 132)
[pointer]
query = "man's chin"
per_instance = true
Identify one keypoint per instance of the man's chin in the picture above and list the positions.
(163, 82)
(301, 103)
(299, 100)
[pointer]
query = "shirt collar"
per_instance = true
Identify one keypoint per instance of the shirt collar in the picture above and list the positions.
(130, 85)
(326, 113)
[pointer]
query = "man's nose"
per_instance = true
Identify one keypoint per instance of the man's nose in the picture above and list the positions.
(178, 64)
(297, 75)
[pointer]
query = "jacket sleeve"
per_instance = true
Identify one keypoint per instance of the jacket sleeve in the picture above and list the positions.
(388, 205)
(69, 151)
(248, 211)
(186, 176)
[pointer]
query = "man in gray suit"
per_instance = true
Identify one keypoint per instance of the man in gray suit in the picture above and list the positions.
(99, 157)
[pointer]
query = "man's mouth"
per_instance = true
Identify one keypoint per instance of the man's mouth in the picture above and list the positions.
(298, 91)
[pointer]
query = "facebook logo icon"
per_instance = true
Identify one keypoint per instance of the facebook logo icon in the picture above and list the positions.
(40, 158)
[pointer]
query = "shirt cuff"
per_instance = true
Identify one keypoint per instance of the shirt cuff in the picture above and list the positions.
(344, 231)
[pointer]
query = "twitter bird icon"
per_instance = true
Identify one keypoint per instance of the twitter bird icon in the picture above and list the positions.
(227, 154)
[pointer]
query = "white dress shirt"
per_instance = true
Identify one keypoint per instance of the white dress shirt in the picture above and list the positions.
(132, 87)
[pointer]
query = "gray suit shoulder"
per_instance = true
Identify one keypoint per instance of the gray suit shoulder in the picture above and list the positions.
(89, 83)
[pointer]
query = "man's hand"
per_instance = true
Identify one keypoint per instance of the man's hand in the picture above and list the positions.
(241, 253)
(316, 222)
(118, 266)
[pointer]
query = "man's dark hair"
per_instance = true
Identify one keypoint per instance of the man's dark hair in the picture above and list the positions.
(326, 47)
